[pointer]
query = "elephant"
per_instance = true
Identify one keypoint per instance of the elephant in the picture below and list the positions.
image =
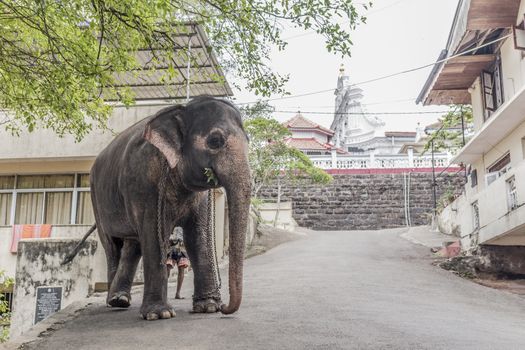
(153, 177)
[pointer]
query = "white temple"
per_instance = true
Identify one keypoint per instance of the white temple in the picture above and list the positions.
(357, 131)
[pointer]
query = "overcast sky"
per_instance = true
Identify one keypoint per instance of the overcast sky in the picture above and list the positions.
(398, 35)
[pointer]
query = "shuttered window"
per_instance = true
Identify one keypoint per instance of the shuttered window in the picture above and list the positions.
(492, 89)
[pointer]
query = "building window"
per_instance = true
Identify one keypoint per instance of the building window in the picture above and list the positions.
(475, 215)
(492, 88)
(474, 178)
(498, 168)
(45, 199)
(7, 184)
(512, 194)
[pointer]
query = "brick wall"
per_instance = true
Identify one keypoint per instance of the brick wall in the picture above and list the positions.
(364, 201)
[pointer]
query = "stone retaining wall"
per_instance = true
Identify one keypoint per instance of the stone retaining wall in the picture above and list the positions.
(364, 201)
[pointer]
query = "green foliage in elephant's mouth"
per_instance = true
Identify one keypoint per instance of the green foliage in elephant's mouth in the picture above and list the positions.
(210, 176)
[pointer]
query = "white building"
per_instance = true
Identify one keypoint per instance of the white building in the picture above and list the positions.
(490, 77)
(356, 130)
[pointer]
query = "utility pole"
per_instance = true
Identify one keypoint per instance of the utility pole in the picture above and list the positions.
(463, 135)
(434, 194)
(462, 124)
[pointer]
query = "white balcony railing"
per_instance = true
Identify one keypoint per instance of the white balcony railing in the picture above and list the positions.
(489, 213)
(379, 162)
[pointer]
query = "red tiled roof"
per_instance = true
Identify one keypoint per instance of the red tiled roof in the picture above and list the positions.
(300, 122)
(311, 144)
(400, 133)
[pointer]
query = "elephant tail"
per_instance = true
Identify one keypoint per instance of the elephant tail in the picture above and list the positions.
(75, 251)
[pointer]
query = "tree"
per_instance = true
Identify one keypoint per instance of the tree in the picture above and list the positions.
(449, 136)
(271, 159)
(58, 59)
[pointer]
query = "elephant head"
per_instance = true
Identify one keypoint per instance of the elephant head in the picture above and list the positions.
(206, 139)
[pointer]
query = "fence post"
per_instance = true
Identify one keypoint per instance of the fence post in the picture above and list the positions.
(334, 158)
(410, 157)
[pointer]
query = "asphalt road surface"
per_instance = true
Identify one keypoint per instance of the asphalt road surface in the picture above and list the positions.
(328, 290)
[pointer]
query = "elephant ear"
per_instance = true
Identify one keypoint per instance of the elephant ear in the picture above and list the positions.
(164, 131)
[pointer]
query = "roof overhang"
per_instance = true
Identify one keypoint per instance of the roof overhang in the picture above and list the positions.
(456, 76)
(488, 14)
(509, 116)
(476, 22)
(150, 80)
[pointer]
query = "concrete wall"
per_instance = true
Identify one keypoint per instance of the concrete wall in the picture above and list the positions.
(285, 219)
(477, 104)
(456, 220)
(364, 201)
(38, 265)
(44, 144)
(8, 261)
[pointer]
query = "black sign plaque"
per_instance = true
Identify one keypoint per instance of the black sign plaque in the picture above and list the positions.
(48, 301)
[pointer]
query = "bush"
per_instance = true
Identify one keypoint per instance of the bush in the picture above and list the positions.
(5, 313)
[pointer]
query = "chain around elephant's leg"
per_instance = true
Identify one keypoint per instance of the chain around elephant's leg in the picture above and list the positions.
(206, 295)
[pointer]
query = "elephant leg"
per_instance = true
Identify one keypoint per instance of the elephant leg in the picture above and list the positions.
(206, 295)
(111, 247)
(154, 302)
(119, 293)
(113, 250)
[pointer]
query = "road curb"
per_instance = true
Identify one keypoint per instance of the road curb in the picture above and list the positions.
(54, 322)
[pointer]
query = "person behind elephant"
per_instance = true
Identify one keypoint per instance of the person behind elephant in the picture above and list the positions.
(178, 257)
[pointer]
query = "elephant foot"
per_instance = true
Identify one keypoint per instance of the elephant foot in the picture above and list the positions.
(208, 306)
(119, 299)
(157, 311)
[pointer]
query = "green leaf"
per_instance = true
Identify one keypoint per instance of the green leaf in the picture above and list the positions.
(57, 56)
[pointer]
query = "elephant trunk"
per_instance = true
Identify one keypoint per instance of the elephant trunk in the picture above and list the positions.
(238, 191)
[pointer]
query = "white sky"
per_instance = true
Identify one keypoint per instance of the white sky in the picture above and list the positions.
(398, 35)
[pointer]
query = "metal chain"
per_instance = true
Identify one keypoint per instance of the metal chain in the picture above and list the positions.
(218, 274)
(210, 233)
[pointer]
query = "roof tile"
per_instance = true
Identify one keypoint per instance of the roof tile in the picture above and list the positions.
(300, 122)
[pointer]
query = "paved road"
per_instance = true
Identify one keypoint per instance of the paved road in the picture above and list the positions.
(329, 290)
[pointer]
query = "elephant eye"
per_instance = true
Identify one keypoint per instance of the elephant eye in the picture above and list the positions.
(215, 140)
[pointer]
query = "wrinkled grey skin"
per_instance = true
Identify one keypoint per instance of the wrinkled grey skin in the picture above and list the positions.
(183, 141)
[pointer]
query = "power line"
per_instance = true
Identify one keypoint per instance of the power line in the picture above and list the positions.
(332, 106)
(362, 113)
(387, 76)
